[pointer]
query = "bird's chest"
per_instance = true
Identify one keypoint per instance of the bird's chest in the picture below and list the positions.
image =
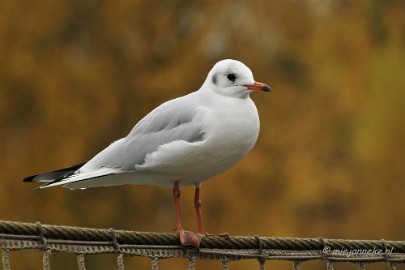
(233, 129)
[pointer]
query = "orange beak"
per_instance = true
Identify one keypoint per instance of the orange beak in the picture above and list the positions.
(258, 86)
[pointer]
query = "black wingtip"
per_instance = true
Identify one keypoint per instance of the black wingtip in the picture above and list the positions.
(53, 175)
(30, 178)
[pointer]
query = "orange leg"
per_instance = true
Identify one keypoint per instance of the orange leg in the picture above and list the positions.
(197, 206)
(186, 238)
(176, 196)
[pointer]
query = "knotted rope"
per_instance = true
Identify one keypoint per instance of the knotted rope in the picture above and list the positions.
(85, 241)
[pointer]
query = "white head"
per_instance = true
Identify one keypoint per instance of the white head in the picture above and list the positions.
(232, 78)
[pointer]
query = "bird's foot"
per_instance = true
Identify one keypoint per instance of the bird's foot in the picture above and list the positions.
(188, 238)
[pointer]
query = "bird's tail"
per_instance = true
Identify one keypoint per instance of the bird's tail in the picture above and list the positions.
(53, 175)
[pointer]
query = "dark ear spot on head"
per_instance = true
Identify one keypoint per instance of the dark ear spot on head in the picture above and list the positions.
(214, 79)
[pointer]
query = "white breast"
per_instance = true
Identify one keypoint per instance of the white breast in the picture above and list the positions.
(231, 128)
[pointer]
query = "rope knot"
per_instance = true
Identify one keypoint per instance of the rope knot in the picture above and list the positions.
(259, 244)
(260, 256)
(41, 233)
(116, 245)
(325, 249)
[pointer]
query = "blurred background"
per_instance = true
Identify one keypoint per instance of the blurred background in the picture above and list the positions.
(329, 161)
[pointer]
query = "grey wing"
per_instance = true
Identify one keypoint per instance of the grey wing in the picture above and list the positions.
(172, 121)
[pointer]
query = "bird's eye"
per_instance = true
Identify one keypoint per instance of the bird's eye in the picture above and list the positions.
(231, 77)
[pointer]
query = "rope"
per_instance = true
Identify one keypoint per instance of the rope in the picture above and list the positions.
(59, 233)
(6, 259)
(224, 264)
(120, 261)
(155, 265)
(191, 263)
(80, 262)
(392, 266)
(45, 259)
(84, 241)
(261, 264)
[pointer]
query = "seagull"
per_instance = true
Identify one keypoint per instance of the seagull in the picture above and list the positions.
(183, 142)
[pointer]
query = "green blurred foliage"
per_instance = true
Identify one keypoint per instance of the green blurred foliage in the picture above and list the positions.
(76, 75)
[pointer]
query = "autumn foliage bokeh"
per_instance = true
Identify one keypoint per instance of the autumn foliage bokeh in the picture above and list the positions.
(77, 75)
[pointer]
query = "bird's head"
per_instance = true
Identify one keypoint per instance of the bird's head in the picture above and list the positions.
(233, 78)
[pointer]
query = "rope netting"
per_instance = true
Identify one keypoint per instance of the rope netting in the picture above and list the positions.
(156, 246)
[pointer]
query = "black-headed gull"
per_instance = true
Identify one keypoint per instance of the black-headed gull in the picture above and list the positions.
(184, 141)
